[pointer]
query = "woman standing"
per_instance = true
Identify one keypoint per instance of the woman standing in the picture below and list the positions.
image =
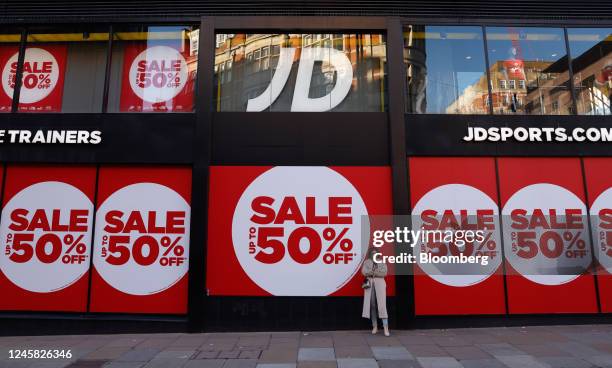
(375, 292)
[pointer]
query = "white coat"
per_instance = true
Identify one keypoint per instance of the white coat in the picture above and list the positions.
(376, 273)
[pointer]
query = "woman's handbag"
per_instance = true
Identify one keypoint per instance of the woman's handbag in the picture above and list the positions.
(366, 283)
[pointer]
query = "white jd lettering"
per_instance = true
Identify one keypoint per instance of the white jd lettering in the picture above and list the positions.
(301, 101)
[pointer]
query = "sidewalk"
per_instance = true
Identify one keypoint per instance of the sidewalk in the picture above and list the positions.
(526, 347)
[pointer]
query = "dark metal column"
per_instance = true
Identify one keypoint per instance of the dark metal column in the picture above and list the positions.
(202, 142)
(404, 286)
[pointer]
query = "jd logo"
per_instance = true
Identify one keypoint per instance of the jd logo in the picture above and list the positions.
(301, 101)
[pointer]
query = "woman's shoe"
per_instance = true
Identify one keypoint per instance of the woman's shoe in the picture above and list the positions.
(374, 330)
(386, 328)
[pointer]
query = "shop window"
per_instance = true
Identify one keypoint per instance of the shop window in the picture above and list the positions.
(302, 72)
(591, 50)
(63, 69)
(538, 56)
(445, 70)
(10, 39)
(154, 68)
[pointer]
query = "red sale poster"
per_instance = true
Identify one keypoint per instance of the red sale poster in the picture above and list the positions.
(292, 231)
(158, 78)
(141, 245)
(449, 194)
(598, 175)
(46, 227)
(44, 68)
(546, 238)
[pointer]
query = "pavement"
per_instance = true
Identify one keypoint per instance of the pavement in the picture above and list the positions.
(578, 346)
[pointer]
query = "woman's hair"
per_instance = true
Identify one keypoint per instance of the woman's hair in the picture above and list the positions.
(371, 252)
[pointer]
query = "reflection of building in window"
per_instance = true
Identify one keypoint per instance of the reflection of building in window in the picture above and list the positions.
(253, 59)
(593, 72)
(545, 91)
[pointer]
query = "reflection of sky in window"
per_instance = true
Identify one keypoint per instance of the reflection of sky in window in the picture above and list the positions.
(583, 39)
(455, 61)
(535, 44)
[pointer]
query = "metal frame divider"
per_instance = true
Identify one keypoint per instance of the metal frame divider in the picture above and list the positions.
(404, 284)
(202, 143)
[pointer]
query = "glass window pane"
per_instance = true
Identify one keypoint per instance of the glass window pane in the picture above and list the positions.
(536, 55)
(302, 72)
(591, 50)
(154, 69)
(9, 54)
(64, 69)
(445, 70)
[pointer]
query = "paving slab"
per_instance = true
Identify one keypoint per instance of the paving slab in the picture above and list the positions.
(391, 353)
(240, 363)
(176, 354)
(520, 361)
(317, 364)
(228, 354)
(439, 362)
(467, 352)
(398, 364)
(353, 352)
(123, 365)
(357, 363)
(138, 355)
(106, 353)
(427, 351)
(482, 363)
(276, 365)
(208, 363)
(501, 349)
(564, 362)
(600, 360)
(278, 356)
(166, 363)
(316, 354)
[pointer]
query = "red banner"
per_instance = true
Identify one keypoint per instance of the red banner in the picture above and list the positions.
(515, 69)
(46, 227)
(141, 245)
(598, 172)
(44, 69)
(457, 191)
(292, 230)
(158, 78)
(546, 236)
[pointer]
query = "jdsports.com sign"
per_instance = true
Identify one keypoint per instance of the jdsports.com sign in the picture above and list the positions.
(301, 224)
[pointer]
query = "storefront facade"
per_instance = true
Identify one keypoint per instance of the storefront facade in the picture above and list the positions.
(207, 167)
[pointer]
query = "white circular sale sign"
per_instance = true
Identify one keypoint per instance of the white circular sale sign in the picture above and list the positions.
(158, 74)
(142, 238)
(297, 231)
(46, 234)
(545, 234)
(40, 75)
(601, 220)
(460, 207)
